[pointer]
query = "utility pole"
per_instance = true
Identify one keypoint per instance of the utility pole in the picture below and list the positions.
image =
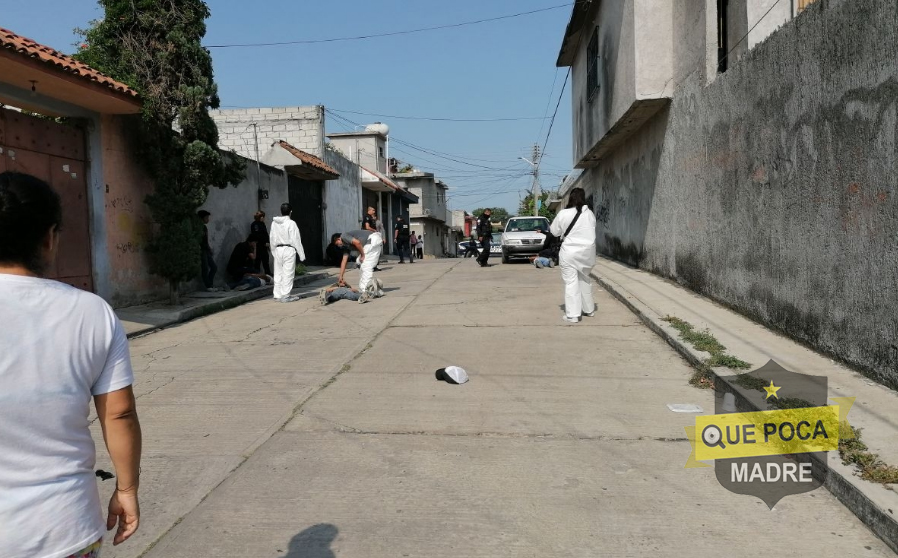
(258, 168)
(535, 191)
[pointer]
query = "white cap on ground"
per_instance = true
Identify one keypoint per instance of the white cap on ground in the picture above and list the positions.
(452, 375)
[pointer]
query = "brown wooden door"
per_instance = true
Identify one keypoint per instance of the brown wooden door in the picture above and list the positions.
(54, 153)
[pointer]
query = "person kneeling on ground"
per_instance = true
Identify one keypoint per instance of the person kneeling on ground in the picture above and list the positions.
(343, 291)
(548, 256)
(241, 268)
(369, 246)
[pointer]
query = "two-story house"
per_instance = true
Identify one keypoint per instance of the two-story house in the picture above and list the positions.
(428, 217)
(739, 147)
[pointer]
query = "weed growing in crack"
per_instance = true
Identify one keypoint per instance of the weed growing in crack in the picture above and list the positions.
(854, 451)
(705, 341)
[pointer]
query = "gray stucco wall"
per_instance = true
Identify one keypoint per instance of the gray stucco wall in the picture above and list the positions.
(342, 196)
(773, 190)
(616, 75)
(301, 127)
(232, 210)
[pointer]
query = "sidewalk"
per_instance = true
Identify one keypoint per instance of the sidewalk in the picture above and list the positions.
(145, 318)
(875, 411)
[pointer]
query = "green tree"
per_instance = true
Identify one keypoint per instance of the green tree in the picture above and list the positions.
(155, 47)
(526, 207)
(497, 214)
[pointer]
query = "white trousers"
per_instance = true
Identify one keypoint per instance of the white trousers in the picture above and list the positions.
(284, 270)
(577, 289)
(373, 250)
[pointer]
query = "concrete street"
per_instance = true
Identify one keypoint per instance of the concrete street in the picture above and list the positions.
(298, 430)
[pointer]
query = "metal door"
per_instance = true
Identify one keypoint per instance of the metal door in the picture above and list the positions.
(307, 198)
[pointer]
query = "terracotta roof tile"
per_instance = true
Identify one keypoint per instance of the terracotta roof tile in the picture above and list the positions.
(308, 159)
(63, 62)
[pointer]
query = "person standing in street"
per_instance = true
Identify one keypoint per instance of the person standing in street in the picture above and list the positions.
(258, 233)
(576, 227)
(207, 261)
(369, 246)
(62, 347)
(401, 236)
(412, 246)
(287, 248)
(485, 236)
(420, 246)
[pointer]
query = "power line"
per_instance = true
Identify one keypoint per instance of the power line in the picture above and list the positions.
(393, 33)
(554, 114)
(440, 119)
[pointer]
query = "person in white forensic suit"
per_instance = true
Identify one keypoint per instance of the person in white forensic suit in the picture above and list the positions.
(369, 246)
(577, 255)
(286, 247)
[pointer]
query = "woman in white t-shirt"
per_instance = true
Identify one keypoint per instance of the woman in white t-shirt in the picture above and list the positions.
(60, 347)
(577, 255)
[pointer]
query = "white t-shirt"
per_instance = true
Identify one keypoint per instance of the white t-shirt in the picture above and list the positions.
(58, 347)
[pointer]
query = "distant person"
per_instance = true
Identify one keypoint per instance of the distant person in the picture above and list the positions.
(287, 249)
(576, 227)
(413, 245)
(402, 238)
(207, 260)
(369, 221)
(420, 246)
(471, 250)
(62, 346)
(485, 236)
(258, 233)
(369, 246)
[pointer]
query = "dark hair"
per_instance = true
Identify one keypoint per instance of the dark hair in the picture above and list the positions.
(286, 209)
(487, 209)
(29, 208)
(259, 215)
(334, 237)
(577, 199)
(202, 214)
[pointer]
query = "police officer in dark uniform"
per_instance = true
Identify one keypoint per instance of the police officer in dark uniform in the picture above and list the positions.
(485, 235)
(401, 233)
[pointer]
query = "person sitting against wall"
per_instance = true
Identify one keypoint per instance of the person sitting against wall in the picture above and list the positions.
(241, 268)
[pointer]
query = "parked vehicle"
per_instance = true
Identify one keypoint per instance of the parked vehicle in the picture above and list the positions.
(523, 237)
(495, 246)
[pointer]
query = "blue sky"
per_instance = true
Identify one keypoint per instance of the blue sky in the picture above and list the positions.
(499, 69)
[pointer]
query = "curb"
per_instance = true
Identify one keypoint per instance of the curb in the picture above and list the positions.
(841, 481)
(226, 304)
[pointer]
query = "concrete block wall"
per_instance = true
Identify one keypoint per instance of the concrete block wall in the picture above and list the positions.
(301, 127)
(772, 190)
(342, 196)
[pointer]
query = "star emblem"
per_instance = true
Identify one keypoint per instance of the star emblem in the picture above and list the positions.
(771, 390)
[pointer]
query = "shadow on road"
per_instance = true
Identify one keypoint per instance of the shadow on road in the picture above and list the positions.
(314, 542)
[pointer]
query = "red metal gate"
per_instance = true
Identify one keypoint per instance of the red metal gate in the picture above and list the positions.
(54, 153)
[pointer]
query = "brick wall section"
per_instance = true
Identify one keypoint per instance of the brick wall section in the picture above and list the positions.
(301, 127)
